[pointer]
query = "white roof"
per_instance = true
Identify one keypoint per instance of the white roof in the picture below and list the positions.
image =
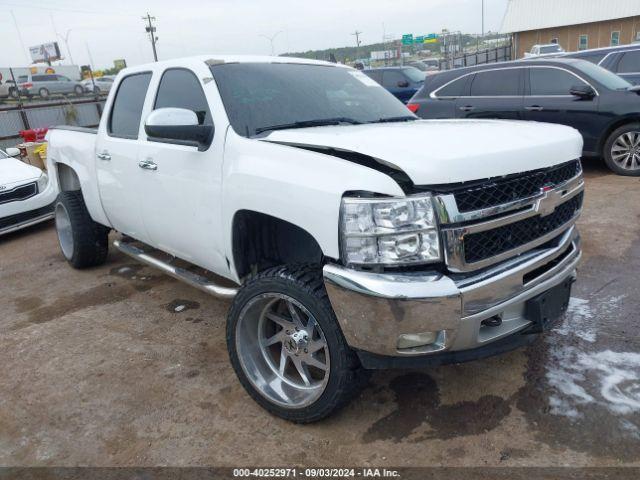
(523, 15)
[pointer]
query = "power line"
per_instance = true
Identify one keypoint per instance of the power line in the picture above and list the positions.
(24, 49)
(151, 30)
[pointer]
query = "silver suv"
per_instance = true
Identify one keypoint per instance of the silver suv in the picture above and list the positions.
(44, 85)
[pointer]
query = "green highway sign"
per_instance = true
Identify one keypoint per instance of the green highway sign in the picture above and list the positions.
(418, 40)
(407, 39)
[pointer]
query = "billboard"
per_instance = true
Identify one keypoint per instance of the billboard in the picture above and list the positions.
(120, 63)
(46, 52)
(384, 55)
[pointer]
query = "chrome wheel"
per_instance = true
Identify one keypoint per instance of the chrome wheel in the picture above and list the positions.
(282, 350)
(65, 234)
(625, 151)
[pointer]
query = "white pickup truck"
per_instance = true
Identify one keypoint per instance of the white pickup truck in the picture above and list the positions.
(351, 235)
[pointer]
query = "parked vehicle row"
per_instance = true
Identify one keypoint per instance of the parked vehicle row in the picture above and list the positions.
(26, 194)
(351, 234)
(603, 107)
(98, 84)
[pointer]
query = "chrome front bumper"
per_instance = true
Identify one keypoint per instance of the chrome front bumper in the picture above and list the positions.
(374, 309)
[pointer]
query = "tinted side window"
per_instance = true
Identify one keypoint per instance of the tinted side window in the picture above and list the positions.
(374, 74)
(391, 78)
(180, 88)
(630, 62)
(551, 81)
(42, 78)
(595, 58)
(454, 89)
(496, 83)
(127, 106)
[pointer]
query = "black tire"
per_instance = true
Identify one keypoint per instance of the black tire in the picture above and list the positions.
(304, 284)
(13, 93)
(608, 154)
(43, 93)
(78, 90)
(96, 90)
(89, 240)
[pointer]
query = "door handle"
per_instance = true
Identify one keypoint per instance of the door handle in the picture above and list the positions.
(148, 164)
(467, 108)
(104, 156)
(534, 108)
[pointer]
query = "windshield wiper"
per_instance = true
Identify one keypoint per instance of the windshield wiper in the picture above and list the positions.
(403, 118)
(309, 123)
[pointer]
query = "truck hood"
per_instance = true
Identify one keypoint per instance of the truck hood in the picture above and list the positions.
(433, 152)
(13, 172)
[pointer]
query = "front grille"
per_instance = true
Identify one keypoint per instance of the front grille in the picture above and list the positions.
(19, 193)
(23, 217)
(498, 192)
(482, 245)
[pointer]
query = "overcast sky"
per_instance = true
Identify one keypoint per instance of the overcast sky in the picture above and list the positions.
(112, 29)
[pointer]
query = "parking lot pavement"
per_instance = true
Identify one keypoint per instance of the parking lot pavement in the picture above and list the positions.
(121, 365)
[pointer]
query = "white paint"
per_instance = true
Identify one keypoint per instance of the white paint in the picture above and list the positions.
(179, 308)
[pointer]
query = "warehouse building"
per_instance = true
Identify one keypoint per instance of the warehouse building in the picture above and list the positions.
(574, 24)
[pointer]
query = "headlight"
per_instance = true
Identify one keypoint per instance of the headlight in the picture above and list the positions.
(389, 231)
(43, 181)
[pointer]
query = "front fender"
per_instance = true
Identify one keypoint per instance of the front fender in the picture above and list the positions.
(301, 187)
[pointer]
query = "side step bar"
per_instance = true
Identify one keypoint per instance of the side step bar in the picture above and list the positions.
(193, 279)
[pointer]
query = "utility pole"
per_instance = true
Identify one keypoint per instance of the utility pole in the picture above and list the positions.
(151, 30)
(357, 35)
(482, 18)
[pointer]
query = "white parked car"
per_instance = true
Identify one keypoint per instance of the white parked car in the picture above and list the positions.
(8, 89)
(98, 85)
(26, 194)
(547, 50)
(351, 234)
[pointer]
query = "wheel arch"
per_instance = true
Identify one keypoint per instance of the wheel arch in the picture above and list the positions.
(260, 241)
(620, 122)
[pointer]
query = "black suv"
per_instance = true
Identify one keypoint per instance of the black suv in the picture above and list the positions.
(623, 61)
(602, 106)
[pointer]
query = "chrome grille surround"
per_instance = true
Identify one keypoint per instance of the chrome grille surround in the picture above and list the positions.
(456, 225)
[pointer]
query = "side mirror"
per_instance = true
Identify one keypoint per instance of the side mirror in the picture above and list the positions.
(13, 152)
(403, 84)
(583, 91)
(178, 125)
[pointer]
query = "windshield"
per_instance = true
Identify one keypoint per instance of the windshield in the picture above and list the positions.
(414, 74)
(257, 96)
(605, 77)
(551, 49)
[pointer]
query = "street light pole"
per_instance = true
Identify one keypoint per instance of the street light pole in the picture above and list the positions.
(271, 39)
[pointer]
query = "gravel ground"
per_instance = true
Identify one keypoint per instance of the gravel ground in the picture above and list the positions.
(121, 365)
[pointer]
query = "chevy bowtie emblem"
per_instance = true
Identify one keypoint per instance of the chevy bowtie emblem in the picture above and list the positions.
(549, 201)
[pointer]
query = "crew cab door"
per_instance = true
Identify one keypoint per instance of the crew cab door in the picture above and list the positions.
(117, 156)
(493, 94)
(548, 100)
(180, 185)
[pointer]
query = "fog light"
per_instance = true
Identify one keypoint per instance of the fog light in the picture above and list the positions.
(412, 340)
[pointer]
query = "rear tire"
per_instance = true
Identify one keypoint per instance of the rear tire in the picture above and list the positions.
(84, 243)
(78, 90)
(43, 93)
(319, 374)
(622, 150)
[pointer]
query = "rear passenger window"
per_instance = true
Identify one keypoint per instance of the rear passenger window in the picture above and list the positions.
(630, 62)
(454, 89)
(375, 75)
(496, 83)
(596, 58)
(127, 106)
(180, 88)
(392, 79)
(552, 81)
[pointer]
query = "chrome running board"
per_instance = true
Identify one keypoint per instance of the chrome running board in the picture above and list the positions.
(198, 281)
